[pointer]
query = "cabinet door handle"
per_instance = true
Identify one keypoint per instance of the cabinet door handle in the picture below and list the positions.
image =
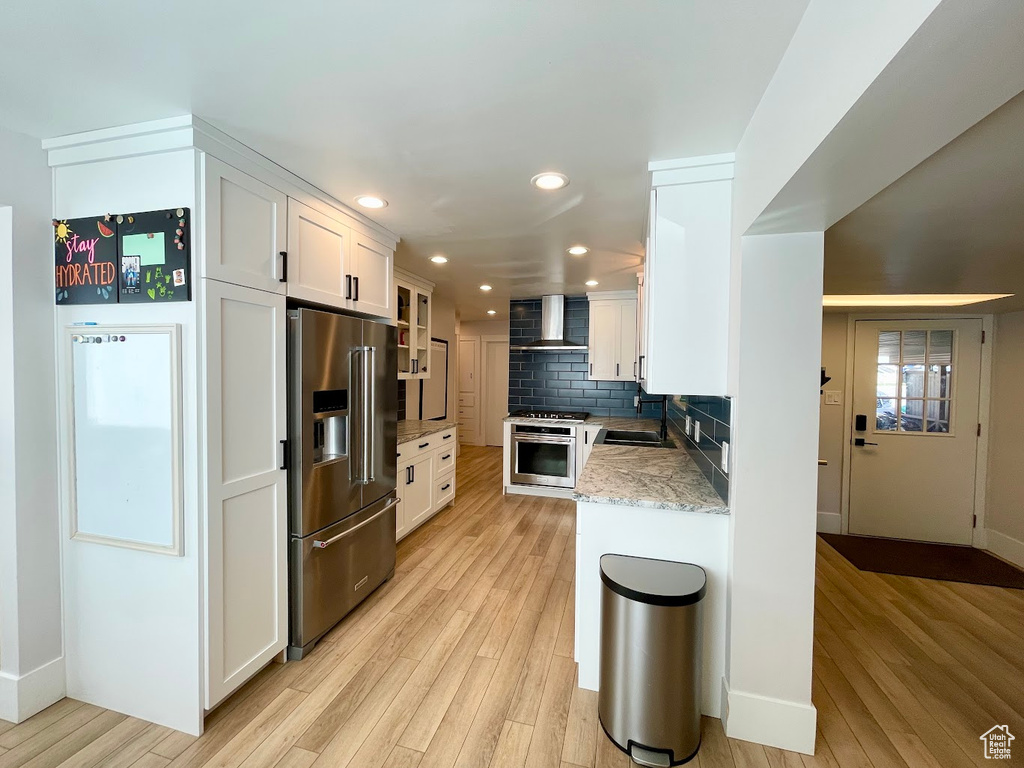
(616, 369)
(642, 366)
(591, 369)
(634, 369)
(413, 468)
(284, 266)
(284, 454)
(348, 287)
(356, 281)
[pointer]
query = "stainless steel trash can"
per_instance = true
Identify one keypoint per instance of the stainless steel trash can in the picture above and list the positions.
(651, 639)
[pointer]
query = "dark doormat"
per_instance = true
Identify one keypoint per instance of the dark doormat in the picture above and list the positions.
(926, 561)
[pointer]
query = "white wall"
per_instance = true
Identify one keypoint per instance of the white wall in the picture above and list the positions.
(773, 493)
(31, 647)
(1004, 514)
(134, 634)
(831, 422)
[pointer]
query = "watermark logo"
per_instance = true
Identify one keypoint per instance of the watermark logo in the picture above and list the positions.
(997, 742)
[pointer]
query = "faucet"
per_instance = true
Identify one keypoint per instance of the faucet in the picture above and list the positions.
(641, 402)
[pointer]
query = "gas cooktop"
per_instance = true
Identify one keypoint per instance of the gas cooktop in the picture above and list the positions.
(551, 415)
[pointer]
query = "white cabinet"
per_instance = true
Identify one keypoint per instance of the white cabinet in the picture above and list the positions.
(412, 315)
(371, 271)
(585, 437)
(246, 228)
(318, 256)
(469, 390)
(612, 343)
(416, 489)
(246, 505)
(687, 278)
(426, 479)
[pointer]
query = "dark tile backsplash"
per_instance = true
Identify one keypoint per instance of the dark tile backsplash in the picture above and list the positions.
(715, 417)
(401, 399)
(558, 381)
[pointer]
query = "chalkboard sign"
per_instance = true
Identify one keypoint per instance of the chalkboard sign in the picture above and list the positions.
(154, 256)
(85, 260)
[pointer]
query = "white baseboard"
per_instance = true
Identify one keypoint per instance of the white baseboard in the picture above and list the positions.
(1005, 546)
(784, 724)
(22, 697)
(830, 522)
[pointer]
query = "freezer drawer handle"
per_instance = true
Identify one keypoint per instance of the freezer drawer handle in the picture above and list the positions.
(318, 544)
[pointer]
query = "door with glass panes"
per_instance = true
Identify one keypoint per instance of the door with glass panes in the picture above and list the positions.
(915, 433)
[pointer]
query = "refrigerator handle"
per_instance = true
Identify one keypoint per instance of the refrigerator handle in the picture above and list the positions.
(369, 406)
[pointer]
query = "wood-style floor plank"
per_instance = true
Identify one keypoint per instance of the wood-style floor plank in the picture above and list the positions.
(464, 659)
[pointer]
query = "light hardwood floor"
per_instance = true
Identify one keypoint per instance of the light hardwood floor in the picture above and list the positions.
(464, 659)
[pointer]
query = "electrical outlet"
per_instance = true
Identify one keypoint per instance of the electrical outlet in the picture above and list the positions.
(689, 426)
(636, 401)
(696, 432)
(725, 457)
(833, 397)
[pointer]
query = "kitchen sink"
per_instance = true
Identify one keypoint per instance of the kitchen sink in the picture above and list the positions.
(636, 438)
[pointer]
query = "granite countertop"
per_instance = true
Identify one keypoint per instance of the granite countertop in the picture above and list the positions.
(656, 478)
(412, 429)
(625, 422)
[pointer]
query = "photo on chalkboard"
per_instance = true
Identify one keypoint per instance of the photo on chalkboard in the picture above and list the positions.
(154, 256)
(85, 260)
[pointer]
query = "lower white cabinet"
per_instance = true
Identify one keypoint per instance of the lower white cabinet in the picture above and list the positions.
(585, 437)
(426, 479)
(247, 530)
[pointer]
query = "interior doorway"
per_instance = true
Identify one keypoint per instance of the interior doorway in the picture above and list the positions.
(915, 411)
(495, 389)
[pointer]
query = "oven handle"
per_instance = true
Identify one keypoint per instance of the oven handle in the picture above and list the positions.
(318, 544)
(550, 439)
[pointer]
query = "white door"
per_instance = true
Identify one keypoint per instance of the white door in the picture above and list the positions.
(244, 424)
(416, 488)
(495, 391)
(604, 342)
(371, 276)
(246, 224)
(470, 398)
(915, 398)
(318, 256)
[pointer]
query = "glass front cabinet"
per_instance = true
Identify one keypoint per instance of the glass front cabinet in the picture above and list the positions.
(412, 311)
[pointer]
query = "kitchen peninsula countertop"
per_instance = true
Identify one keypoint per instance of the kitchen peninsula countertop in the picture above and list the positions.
(413, 429)
(656, 478)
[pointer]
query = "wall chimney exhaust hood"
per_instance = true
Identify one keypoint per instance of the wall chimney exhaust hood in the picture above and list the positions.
(552, 329)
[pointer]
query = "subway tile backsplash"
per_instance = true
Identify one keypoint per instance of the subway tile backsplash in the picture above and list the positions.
(558, 380)
(714, 414)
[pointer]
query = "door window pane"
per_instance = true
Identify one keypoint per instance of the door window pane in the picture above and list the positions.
(912, 416)
(914, 381)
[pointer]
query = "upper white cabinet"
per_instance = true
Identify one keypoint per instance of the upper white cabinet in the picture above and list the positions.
(412, 315)
(612, 343)
(246, 225)
(371, 271)
(685, 345)
(318, 256)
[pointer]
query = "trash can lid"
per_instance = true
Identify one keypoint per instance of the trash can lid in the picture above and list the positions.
(655, 582)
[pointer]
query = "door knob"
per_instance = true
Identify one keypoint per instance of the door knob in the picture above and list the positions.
(860, 441)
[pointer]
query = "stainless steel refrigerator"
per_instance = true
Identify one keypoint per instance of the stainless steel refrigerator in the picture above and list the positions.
(342, 430)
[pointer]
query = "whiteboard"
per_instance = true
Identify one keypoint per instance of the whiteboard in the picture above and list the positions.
(124, 436)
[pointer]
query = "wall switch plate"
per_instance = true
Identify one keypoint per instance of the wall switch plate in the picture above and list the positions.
(696, 432)
(636, 401)
(689, 425)
(725, 457)
(833, 397)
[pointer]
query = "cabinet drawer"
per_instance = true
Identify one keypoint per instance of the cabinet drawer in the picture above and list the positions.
(467, 399)
(415, 448)
(444, 491)
(468, 428)
(445, 462)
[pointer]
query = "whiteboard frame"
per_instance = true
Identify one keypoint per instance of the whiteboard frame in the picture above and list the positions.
(173, 334)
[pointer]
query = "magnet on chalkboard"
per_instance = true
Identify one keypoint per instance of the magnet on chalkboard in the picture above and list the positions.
(120, 219)
(180, 212)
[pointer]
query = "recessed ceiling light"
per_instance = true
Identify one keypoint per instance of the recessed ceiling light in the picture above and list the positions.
(485, 287)
(579, 250)
(372, 201)
(591, 283)
(491, 312)
(910, 299)
(550, 180)
(439, 259)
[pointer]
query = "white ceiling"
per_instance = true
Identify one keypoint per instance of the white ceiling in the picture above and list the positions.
(447, 109)
(953, 224)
